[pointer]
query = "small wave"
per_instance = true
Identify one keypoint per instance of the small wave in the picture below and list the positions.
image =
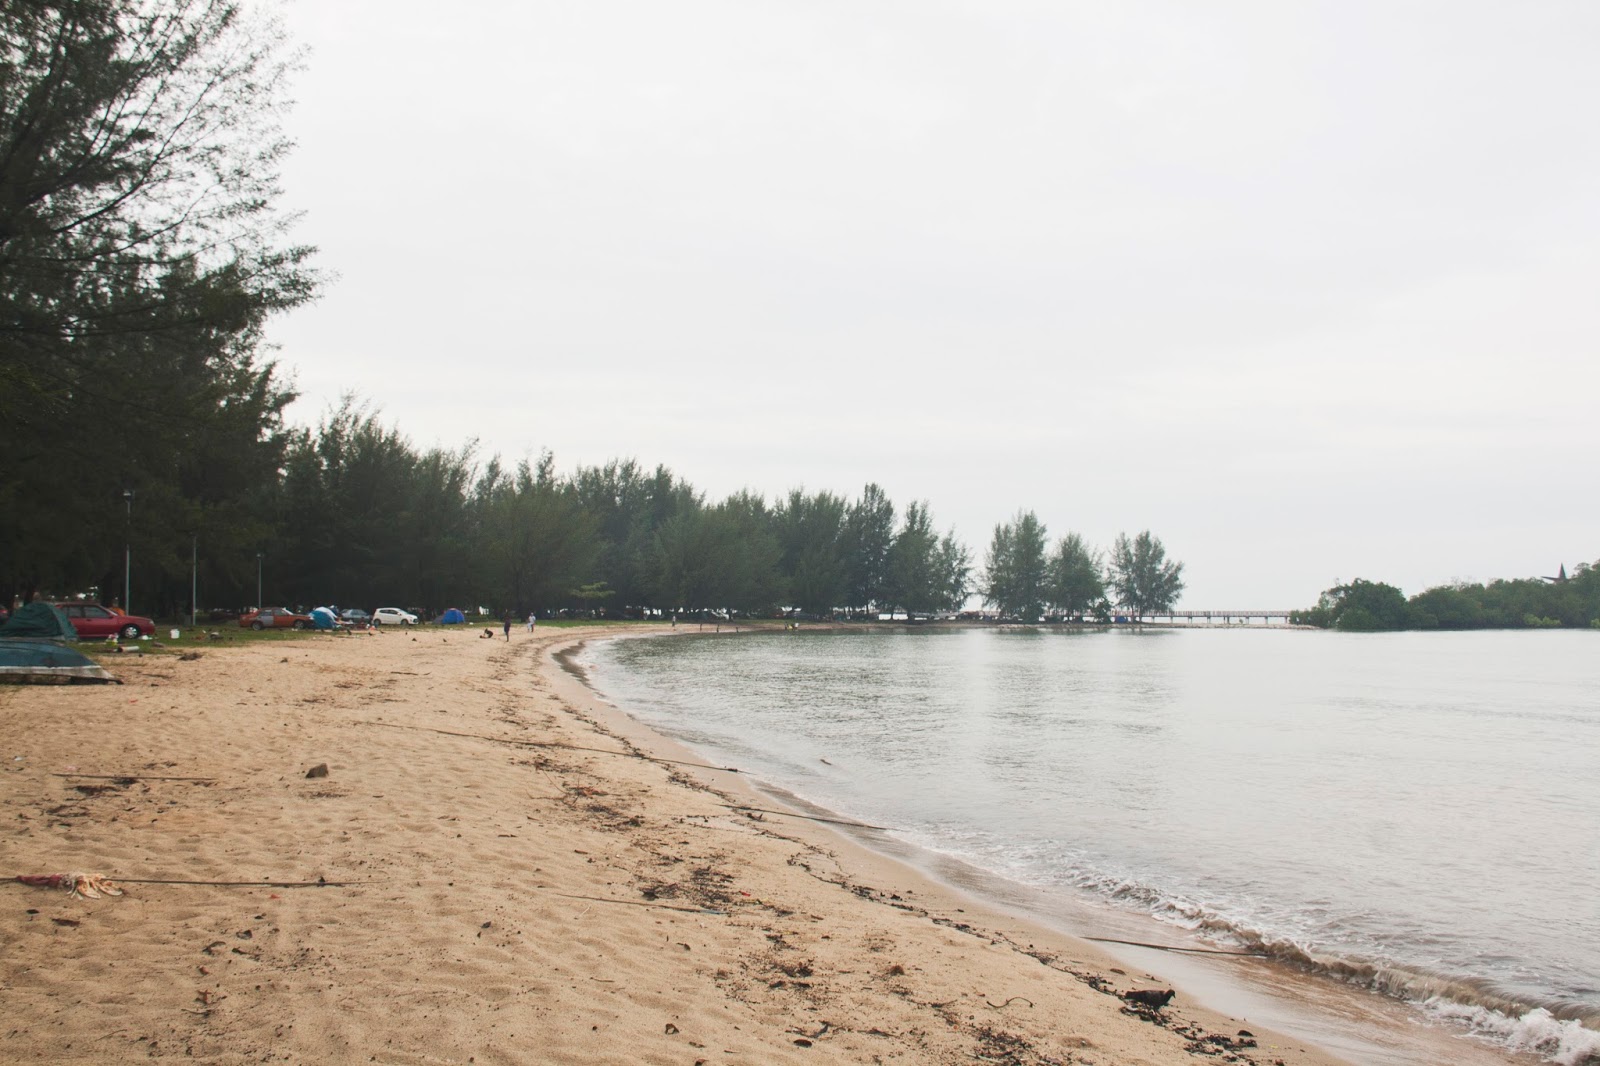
(1559, 1032)
(1563, 1042)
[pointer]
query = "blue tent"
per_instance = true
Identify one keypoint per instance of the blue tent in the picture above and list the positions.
(323, 618)
(452, 617)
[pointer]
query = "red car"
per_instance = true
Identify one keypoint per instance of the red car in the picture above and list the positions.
(93, 620)
(275, 618)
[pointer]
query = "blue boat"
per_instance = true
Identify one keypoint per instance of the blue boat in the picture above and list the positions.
(44, 661)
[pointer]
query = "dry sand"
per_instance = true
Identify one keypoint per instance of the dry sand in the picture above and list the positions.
(504, 894)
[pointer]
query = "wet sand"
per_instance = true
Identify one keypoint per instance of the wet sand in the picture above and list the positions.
(490, 871)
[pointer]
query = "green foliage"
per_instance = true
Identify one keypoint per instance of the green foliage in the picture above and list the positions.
(913, 561)
(810, 531)
(1359, 607)
(868, 537)
(140, 255)
(1358, 619)
(750, 578)
(953, 573)
(1505, 604)
(1446, 607)
(594, 592)
(927, 573)
(1016, 577)
(630, 505)
(718, 557)
(1140, 577)
(683, 561)
(343, 503)
(1075, 580)
(537, 541)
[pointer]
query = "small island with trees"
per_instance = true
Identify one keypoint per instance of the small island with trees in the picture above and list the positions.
(1559, 602)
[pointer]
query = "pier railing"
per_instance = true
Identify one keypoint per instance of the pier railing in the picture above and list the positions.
(1265, 617)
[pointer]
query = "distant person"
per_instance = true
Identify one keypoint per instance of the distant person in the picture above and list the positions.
(508, 627)
(533, 620)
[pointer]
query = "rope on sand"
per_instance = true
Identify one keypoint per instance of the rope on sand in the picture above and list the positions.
(556, 744)
(136, 777)
(640, 903)
(244, 884)
(92, 886)
(808, 817)
(1188, 951)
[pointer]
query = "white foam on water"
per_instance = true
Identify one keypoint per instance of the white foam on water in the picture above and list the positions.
(1447, 1000)
(1565, 1043)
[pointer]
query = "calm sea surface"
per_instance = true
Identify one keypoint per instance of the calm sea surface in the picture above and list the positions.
(1418, 813)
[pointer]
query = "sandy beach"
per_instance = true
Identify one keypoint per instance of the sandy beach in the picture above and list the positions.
(495, 868)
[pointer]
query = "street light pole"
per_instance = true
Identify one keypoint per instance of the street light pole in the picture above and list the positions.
(194, 579)
(258, 581)
(127, 555)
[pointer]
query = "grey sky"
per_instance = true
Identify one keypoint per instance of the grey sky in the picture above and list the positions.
(1309, 290)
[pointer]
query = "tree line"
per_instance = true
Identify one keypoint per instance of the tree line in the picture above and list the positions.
(1027, 580)
(365, 518)
(1522, 603)
(352, 513)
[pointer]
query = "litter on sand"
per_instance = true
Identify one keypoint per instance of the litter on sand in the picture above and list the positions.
(78, 885)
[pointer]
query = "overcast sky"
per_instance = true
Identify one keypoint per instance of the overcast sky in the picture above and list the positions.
(1308, 290)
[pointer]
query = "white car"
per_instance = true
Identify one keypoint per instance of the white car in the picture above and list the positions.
(393, 616)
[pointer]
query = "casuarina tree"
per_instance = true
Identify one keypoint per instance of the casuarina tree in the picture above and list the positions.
(1015, 571)
(1076, 584)
(1141, 578)
(141, 251)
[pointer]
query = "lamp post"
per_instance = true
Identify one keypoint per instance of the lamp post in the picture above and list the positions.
(194, 579)
(127, 555)
(258, 581)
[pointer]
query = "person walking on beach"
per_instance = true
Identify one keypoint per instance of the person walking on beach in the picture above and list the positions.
(533, 620)
(508, 627)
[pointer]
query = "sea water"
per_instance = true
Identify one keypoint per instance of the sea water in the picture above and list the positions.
(1417, 814)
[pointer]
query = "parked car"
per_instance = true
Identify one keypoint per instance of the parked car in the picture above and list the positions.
(393, 616)
(355, 616)
(274, 618)
(93, 620)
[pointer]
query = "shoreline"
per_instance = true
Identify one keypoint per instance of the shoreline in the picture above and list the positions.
(496, 867)
(872, 867)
